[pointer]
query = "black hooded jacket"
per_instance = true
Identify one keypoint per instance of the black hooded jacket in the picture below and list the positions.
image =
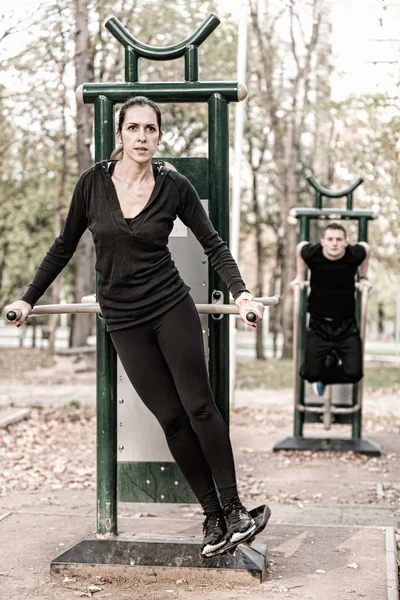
(138, 279)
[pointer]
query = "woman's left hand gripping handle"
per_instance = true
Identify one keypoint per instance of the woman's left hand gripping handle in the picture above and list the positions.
(18, 312)
(255, 309)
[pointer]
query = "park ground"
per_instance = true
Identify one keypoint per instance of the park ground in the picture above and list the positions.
(330, 511)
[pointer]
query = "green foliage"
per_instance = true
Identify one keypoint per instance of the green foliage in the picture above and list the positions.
(30, 183)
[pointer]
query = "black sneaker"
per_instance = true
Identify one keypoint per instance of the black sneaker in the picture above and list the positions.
(240, 525)
(214, 530)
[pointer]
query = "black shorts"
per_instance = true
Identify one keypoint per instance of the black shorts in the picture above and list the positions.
(340, 340)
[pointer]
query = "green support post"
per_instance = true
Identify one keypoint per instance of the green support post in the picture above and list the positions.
(106, 365)
(304, 235)
(363, 229)
(192, 64)
(131, 65)
(356, 426)
(218, 177)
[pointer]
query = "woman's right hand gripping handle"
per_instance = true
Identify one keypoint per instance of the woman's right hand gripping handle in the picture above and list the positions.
(21, 310)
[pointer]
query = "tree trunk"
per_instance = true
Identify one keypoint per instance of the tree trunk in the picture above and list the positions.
(3, 258)
(286, 124)
(288, 273)
(85, 282)
(61, 195)
(259, 289)
(260, 269)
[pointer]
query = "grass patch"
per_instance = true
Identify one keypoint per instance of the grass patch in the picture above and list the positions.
(382, 375)
(74, 404)
(278, 374)
(272, 373)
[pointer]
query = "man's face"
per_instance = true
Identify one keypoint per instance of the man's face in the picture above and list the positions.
(334, 244)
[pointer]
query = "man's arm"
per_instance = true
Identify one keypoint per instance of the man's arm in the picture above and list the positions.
(363, 268)
(301, 267)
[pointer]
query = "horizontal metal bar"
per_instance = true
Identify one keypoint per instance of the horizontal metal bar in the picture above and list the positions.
(336, 410)
(93, 307)
(171, 91)
(333, 213)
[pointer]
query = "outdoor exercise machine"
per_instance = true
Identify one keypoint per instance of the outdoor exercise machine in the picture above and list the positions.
(342, 403)
(147, 473)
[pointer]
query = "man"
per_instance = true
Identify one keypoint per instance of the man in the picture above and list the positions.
(333, 352)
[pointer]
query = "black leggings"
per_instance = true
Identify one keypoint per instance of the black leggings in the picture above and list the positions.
(164, 360)
(341, 340)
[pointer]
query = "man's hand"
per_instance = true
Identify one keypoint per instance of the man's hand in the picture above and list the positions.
(364, 283)
(297, 282)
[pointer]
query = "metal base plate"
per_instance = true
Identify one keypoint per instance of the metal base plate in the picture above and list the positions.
(359, 446)
(174, 552)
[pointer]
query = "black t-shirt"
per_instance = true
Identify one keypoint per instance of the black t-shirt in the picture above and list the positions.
(332, 282)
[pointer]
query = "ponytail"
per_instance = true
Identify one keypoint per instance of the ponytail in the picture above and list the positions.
(117, 153)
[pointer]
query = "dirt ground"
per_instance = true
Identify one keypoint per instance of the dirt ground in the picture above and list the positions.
(47, 473)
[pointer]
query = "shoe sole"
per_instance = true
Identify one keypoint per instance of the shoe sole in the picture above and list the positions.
(238, 537)
(231, 544)
(209, 550)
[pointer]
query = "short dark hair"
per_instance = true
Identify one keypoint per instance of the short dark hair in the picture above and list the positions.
(336, 226)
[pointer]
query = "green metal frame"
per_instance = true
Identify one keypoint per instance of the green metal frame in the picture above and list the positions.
(217, 94)
(304, 216)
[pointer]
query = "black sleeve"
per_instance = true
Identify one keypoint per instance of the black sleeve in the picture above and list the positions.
(62, 248)
(307, 253)
(359, 253)
(192, 214)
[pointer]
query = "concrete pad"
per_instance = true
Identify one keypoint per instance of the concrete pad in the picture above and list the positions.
(306, 562)
(333, 563)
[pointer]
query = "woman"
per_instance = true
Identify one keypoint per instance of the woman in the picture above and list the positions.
(129, 205)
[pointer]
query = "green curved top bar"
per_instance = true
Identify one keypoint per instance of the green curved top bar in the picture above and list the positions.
(330, 193)
(168, 52)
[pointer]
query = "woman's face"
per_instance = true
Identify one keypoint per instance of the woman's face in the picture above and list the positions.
(140, 134)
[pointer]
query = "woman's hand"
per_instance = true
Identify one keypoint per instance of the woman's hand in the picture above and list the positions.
(21, 306)
(247, 306)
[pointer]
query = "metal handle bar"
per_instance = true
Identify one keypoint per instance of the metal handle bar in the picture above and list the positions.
(58, 309)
